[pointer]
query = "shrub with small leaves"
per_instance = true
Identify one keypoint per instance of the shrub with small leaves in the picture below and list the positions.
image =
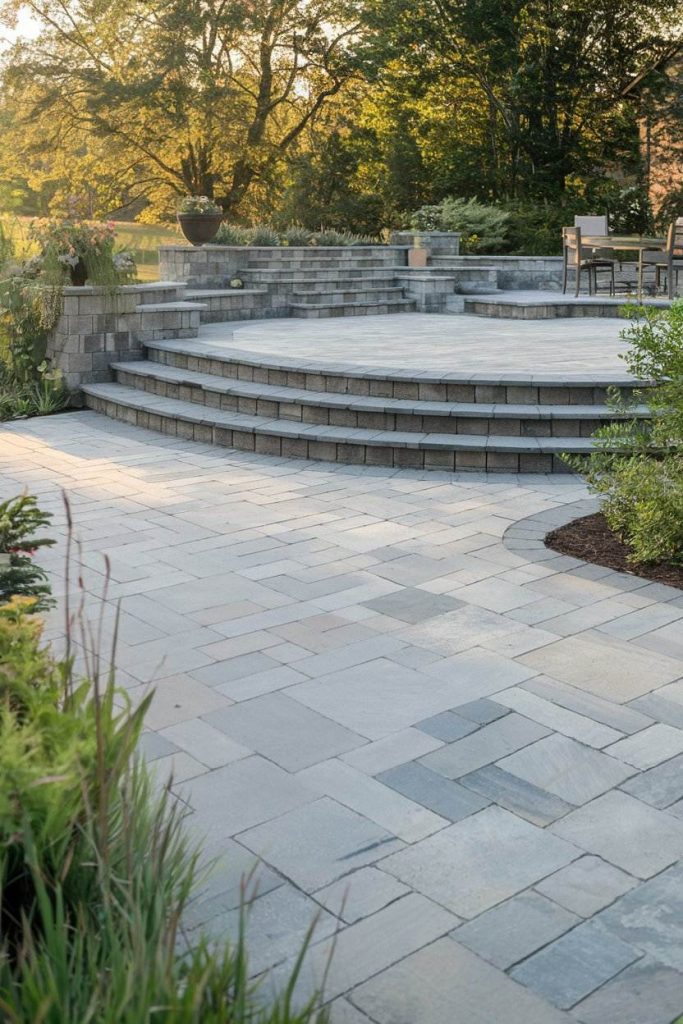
(231, 234)
(637, 467)
(482, 228)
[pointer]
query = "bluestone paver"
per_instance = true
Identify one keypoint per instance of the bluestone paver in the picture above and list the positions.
(488, 744)
(625, 832)
(644, 993)
(284, 730)
(413, 605)
(496, 855)
(360, 894)
(649, 747)
(443, 979)
(568, 769)
(650, 917)
(661, 786)
(516, 794)
(576, 964)
(586, 885)
(315, 844)
(443, 796)
(516, 928)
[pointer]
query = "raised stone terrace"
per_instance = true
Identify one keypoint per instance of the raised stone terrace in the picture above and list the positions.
(350, 354)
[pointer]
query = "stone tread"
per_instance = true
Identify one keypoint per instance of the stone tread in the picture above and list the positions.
(350, 308)
(364, 403)
(191, 412)
(223, 353)
(169, 307)
(216, 293)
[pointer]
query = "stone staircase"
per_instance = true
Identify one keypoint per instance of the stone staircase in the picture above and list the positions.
(352, 281)
(204, 392)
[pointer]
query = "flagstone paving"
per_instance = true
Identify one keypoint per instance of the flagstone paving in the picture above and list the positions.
(463, 751)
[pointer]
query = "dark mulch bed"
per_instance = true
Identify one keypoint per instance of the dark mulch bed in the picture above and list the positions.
(591, 539)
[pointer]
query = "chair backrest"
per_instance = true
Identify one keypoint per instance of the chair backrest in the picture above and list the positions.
(592, 225)
(571, 245)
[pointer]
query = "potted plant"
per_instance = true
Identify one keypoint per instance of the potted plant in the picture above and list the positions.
(199, 218)
(76, 251)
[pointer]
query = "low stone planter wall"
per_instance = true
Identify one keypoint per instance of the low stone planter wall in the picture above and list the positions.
(212, 266)
(98, 327)
(520, 273)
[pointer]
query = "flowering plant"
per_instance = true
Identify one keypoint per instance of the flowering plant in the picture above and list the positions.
(201, 205)
(80, 250)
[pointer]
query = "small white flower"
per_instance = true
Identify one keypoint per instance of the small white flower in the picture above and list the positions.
(68, 259)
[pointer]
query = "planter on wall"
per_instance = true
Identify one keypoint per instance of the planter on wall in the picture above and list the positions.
(78, 275)
(199, 228)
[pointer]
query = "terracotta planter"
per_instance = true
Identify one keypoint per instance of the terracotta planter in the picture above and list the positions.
(78, 274)
(199, 228)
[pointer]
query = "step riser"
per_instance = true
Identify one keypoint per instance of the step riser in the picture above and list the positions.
(302, 312)
(541, 312)
(329, 451)
(224, 316)
(330, 416)
(362, 262)
(323, 278)
(171, 294)
(350, 296)
(384, 387)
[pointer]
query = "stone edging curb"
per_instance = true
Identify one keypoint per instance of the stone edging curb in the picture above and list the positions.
(526, 538)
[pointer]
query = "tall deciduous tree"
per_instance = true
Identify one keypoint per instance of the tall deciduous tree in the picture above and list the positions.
(176, 96)
(548, 74)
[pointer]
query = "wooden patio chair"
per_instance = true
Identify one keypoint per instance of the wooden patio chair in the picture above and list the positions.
(577, 257)
(668, 262)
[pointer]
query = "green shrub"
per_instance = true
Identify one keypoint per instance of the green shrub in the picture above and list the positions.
(231, 234)
(19, 575)
(638, 469)
(95, 865)
(482, 228)
(295, 234)
(263, 234)
(28, 385)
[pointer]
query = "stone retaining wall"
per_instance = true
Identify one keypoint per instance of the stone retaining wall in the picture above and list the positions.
(98, 327)
(520, 273)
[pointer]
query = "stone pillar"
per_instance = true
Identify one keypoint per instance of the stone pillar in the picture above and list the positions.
(439, 243)
(203, 266)
(92, 332)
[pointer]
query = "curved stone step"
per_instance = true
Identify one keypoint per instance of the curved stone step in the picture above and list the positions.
(525, 308)
(335, 444)
(380, 382)
(365, 412)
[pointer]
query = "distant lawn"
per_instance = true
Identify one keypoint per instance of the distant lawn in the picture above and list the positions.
(142, 239)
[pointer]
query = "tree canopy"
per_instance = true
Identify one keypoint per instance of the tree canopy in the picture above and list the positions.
(347, 111)
(180, 96)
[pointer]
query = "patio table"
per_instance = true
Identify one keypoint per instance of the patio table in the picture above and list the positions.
(626, 243)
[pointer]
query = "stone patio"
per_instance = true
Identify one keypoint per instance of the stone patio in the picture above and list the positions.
(440, 344)
(462, 751)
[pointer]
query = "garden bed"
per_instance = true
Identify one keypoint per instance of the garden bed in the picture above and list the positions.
(591, 539)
